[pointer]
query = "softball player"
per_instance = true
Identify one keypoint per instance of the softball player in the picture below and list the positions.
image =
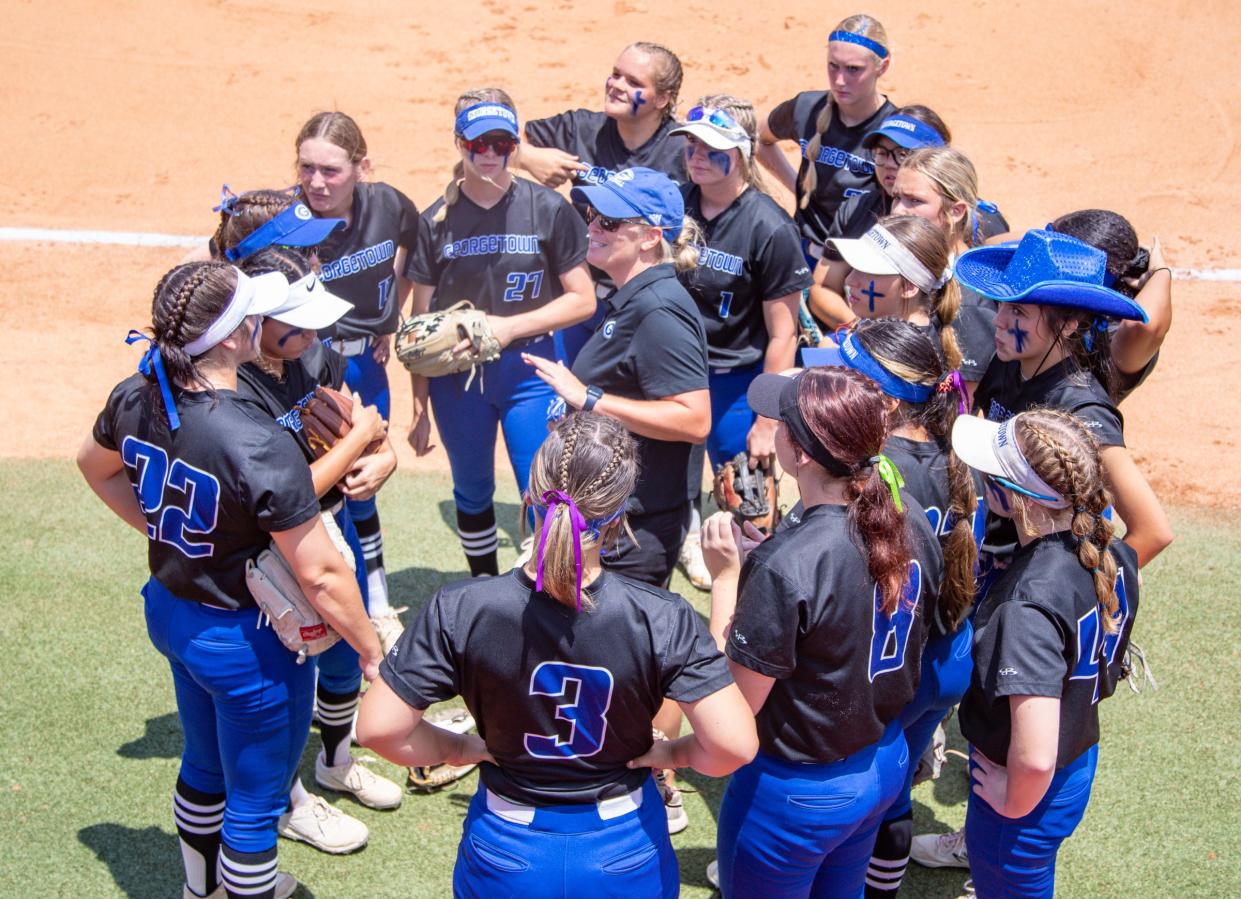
(210, 479)
(830, 126)
(1053, 349)
(635, 128)
(563, 664)
(517, 250)
(747, 287)
(1137, 273)
(364, 262)
(258, 219)
(1049, 643)
(863, 560)
(291, 364)
(646, 364)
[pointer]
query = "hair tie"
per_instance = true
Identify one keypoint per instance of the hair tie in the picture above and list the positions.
(954, 381)
(890, 475)
(553, 498)
(228, 203)
(152, 360)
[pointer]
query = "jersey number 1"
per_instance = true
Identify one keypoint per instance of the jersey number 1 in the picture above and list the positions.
(171, 523)
(587, 695)
(890, 633)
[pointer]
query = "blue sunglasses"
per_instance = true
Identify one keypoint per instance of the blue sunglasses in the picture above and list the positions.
(716, 117)
(1005, 482)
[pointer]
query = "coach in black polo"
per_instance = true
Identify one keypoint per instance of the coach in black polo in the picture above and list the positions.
(646, 363)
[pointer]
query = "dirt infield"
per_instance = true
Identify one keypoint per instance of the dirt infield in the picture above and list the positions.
(130, 116)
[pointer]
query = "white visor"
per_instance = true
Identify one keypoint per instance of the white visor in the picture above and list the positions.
(252, 296)
(715, 137)
(991, 447)
(309, 305)
(877, 252)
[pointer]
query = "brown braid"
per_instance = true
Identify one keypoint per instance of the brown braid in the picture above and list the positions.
(1066, 456)
(186, 301)
(249, 212)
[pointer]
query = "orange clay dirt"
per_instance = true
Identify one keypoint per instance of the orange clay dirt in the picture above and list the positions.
(129, 116)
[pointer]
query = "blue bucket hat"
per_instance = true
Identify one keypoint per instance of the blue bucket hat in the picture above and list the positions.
(638, 193)
(1046, 269)
(294, 227)
(480, 118)
(904, 131)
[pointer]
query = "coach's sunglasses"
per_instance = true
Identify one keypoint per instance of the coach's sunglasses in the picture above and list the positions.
(607, 223)
(503, 144)
(716, 117)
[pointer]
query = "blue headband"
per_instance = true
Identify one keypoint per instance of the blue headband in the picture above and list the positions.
(861, 40)
(592, 525)
(152, 360)
(856, 357)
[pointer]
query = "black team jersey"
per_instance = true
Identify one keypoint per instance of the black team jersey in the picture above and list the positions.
(507, 259)
(751, 254)
(1003, 393)
(283, 399)
(1038, 632)
(808, 614)
(359, 261)
(211, 491)
(974, 327)
(563, 699)
(844, 166)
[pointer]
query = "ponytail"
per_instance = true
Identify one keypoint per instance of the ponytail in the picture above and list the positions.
(882, 529)
(684, 251)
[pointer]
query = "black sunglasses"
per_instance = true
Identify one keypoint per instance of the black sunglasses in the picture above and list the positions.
(503, 144)
(607, 223)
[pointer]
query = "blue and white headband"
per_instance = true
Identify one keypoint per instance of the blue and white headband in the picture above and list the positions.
(855, 357)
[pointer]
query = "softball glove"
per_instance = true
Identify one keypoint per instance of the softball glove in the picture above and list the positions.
(748, 493)
(326, 418)
(424, 342)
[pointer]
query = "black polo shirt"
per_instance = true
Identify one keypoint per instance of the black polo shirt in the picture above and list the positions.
(650, 345)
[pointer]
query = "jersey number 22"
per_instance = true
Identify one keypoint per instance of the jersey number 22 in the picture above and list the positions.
(172, 522)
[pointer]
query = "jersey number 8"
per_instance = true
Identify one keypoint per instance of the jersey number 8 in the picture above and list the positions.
(153, 478)
(890, 633)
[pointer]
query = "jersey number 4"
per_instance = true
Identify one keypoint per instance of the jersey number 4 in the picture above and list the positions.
(193, 512)
(1094, 648)
(587, 695)
(890, 633)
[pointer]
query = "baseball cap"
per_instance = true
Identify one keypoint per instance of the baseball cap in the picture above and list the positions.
(904, 131)
(294, 227)
(638, 192)
(715, 128)
(991, 447)
(310, 305)
(878, 252)
(483, 117)
(256, 295)
(1046, 268)
(775, 396)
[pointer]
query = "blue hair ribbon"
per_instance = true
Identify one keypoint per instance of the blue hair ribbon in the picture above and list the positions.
(856, 357)
(861, 40)
(153, 361)
(228, 201)
(1099, 325)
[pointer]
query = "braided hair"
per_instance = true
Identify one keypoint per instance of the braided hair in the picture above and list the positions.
(593, 459)
(241, 216)
(666, 73)
(1065, 455)
(186, 301)
(930, 246)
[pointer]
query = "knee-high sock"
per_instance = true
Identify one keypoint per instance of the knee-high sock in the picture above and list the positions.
(372, 540)
(890, 857)
(198, 816)
(248, 875)
(477, 531)
(335, 721)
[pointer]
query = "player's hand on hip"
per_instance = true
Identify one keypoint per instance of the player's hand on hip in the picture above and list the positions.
(720, 549)
(760, 443)
(662, 755)
(420, 435)
(370, 668)
(990, 781)
(470, 750)
(557, 376)
(381, 348)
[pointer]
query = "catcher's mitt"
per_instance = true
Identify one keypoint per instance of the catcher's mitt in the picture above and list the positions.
(748, 493)
(428, 779)
(424, 342)
(326, 418)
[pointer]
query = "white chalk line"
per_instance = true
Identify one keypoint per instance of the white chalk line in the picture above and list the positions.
(149, 239)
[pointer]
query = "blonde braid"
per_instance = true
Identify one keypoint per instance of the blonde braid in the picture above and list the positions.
(810, 178)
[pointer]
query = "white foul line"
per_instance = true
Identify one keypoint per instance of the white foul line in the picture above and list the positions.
(148, 239)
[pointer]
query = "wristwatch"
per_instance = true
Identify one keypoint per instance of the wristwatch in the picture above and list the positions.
(593, 395)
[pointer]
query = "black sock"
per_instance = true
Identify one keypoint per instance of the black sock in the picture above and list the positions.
(248, 875)
(477, 531)
(372, 540)
(198, 816)
(890, 857)
(335, 721)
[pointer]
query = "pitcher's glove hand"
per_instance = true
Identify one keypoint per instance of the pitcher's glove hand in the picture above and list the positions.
(326, 418)
(425, 343)
(748, 493)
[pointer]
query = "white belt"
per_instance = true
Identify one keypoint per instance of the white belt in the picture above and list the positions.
(518, 813)
(354, 346)
(340, 504)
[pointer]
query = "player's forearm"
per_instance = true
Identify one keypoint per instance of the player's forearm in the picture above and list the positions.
(419, 389)
(781, 353)
(118, 495)
(658, 419)
(567, 309)
(829, 306)
(334, 593)
(426, 744)
(1028, 781)
(773, 159)
(723, 607)
(329, 469)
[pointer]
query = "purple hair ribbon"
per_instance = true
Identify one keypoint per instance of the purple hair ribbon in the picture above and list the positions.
(153, 361)
(554, 498)
(957, 383)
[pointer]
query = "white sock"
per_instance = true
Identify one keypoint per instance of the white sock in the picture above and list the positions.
(298, 794)
(377, 593)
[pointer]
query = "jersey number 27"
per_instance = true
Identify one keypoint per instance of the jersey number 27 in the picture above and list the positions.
(173, 521)
(587, 695)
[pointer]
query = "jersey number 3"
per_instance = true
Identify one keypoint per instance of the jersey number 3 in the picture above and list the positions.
(172, 522)
(890, 633)
(587, 695)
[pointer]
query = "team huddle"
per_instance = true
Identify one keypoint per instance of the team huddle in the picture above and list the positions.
(943, 393)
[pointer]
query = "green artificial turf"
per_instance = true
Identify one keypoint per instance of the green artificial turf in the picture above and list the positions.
(89, 739)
